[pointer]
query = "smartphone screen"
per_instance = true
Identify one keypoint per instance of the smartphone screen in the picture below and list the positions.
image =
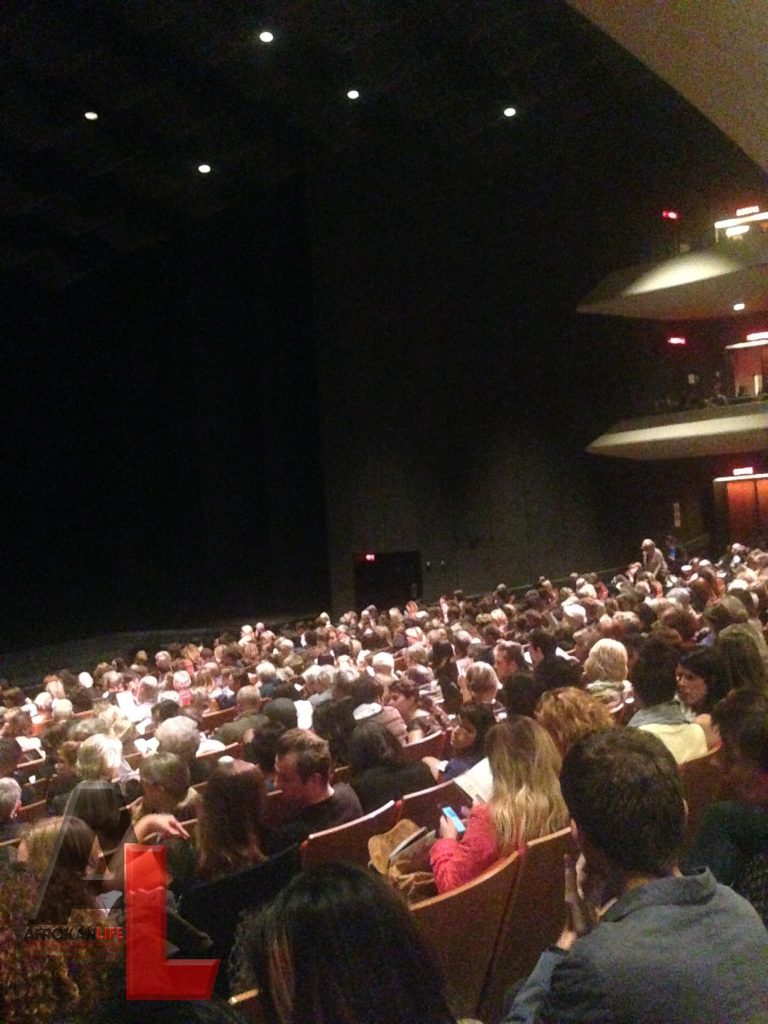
(453, 817)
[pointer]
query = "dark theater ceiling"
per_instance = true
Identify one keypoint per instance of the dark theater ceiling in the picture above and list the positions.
(177, 84)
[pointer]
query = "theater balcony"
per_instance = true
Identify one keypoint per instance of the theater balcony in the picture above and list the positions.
(687, 433)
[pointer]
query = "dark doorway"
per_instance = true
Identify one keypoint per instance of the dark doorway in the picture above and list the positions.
(385, 578)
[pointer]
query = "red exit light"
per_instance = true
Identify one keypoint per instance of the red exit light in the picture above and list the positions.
(677, 340)
(743, 471)
(670, 215)
(370, 557)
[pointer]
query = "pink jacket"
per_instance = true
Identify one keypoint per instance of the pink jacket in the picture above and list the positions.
(456, 861)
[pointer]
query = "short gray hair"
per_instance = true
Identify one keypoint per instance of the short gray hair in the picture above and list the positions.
(10, 795)
(166, 770)
(99, 756)
(178, 735)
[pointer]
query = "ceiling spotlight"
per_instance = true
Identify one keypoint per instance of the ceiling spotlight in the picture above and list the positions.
(509, 112)
(738, 306)
(91, 115)
(353, 94)
(204, 168)
(266, 37)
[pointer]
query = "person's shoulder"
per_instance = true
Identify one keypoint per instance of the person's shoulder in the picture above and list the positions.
(344, 794)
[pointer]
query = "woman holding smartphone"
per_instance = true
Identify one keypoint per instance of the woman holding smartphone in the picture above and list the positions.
(525, 804)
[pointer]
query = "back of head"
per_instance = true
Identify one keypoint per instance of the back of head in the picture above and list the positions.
(99, 757)
(623, 790)
(742, 718)
(520, 694)
(178, 735)
(526, 802)
(607, 661)
(10, 797)
(372, 744)
(74, 840)
(231, 819)
(166, 770)
(281, 710)
(482, 681)
(569, 713)
(313, 754)
(338, 945)
(740, 663)
(654, 675)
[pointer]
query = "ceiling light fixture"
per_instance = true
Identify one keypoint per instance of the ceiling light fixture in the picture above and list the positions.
(266, 36)
(738, 306)
(91, 115)
(353, 94)
(204, 168)
(509, 112)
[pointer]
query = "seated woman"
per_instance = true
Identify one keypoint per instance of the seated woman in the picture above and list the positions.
(525, 804)
(379, 771)
(98, 798)
(416, 711)
(700, 686)
(68, 980)
(229, 830)
(339, 945)
(467, 742)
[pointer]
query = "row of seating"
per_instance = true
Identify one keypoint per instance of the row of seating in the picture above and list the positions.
(516, 907)
(516, 910)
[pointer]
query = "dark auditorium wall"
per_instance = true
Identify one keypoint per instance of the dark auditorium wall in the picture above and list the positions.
(457, 392)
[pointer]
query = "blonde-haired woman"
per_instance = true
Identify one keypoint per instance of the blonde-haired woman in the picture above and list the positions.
(525, 804)
(605, 672)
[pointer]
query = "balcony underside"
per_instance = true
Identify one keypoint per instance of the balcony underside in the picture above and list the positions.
(687, 434)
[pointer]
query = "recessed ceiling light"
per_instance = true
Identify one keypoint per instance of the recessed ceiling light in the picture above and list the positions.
(738, 306)
(204, 168)
(509, 112)
(266, 36)
(353, 94)
(91, 115)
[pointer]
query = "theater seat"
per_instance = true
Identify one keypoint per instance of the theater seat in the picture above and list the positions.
(533, 918)
(462, 928)
(424, 807)
(349, 842)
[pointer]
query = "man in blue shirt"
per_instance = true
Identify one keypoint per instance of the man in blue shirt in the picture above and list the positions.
(669, 949)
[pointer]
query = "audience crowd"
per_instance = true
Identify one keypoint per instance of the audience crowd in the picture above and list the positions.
(232, 753)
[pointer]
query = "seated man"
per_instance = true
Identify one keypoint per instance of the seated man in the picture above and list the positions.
(671, 948)
(248, 704)
(655, 682)
(302, 772)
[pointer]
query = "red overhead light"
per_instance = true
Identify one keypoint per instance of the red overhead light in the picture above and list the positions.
(677, 340)
(746, 210)
(370, 557)
(670, 215)
(743, 471)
